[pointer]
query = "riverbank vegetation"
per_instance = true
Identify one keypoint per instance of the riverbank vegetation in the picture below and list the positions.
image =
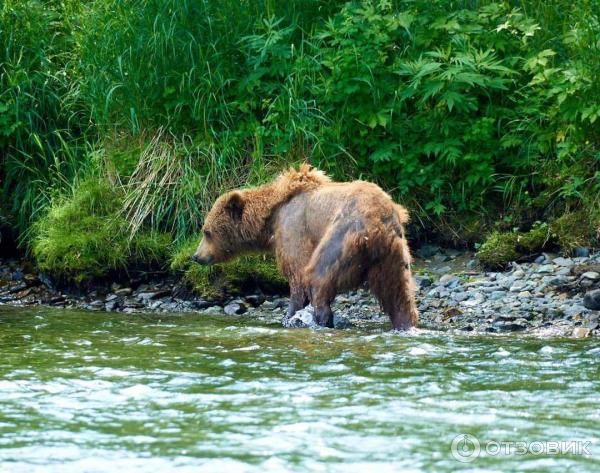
(120, 124)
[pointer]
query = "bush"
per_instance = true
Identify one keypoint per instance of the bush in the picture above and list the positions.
(498, 250)
(246, 273)
(502, 248)
(575, 229)
(84, 236)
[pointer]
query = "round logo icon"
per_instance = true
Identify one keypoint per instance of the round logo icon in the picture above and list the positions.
(465, 448)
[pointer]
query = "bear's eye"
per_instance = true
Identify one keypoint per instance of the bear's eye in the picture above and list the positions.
(207, 234)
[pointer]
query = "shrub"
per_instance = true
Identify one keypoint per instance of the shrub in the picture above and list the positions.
(575, 229)
(498, 250)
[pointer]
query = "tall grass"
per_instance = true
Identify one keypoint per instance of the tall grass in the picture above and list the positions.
(464, 109)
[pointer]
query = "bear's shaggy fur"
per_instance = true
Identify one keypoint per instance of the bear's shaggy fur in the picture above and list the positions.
(328, 237)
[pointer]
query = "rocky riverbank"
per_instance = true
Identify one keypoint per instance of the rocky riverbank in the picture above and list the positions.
(551, 295)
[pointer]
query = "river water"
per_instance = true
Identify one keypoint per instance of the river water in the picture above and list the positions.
(83, 391)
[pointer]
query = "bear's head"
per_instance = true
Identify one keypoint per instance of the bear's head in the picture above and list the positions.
(223, 233)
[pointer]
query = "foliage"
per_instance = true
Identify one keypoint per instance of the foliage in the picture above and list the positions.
(498, 250)
(502, 248)
(575, 229)
(473, 111)
(251, 272)
(83, 236)
(42, 119)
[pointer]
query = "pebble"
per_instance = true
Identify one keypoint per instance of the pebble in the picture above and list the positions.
(591, 300)
(234, 308)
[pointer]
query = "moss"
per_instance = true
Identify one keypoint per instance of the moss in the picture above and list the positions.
(573, 230)
(242, 274)
(534, 240)
(498, 250)
(83, 236)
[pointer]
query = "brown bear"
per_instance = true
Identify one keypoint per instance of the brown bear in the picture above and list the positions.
(327, 237)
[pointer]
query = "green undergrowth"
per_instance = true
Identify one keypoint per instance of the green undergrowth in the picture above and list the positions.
(83, 236)
(246, 273)
(568, 232)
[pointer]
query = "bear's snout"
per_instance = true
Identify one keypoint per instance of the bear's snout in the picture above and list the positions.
(204, 260)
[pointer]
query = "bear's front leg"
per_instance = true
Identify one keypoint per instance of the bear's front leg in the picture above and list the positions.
(298, 300)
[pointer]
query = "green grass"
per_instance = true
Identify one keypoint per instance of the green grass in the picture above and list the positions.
(468, 112)
(84, 236)
(246, 273)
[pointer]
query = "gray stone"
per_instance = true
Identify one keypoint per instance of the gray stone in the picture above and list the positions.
(472, 264)
(201, 304)
(255, 299)
(592, 275)
(341, 322)
(563, 261)
(423, 281)
(518, 286)
(111, 305)
(460, 296)
(304, 318)
(545, 268)
(214, 310)
(152, 295)
(449, 280)
(497, 295)
(126, 291)
(556, 280)
(591, 300)
(581, 252)
(234, 308)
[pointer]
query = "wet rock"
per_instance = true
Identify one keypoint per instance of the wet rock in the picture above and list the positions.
(123, 292)
(581, 252)
(556, 280)
(94, 305)
(591, 275)
(234, 308)
(152, 295)
(563, 261)
(341, 322)
(449, 280)
(254, 299)
(472, 264)
(508, 326)
(591, 300)
(518, 286)
(201, 304)
(580, 332)
(17, 287)
(214, 310)
(545, 269)
(111, 305)
(304, 318)
(280, 303)
(423, 281)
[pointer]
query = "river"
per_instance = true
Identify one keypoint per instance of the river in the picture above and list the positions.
(88, 391)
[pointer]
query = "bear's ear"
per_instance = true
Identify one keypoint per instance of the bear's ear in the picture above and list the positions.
(235, 206)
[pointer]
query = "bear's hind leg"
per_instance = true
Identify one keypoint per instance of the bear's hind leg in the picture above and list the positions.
(338, 264)
(391, 282)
